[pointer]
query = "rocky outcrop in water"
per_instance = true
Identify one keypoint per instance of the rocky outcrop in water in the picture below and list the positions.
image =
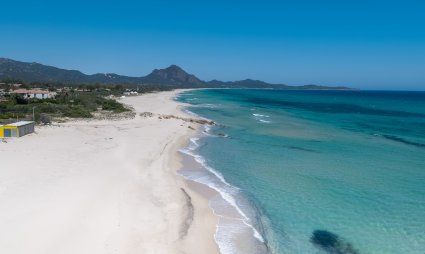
(185, 119)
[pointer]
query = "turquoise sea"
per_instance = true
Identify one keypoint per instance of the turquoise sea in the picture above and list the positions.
(313, 171)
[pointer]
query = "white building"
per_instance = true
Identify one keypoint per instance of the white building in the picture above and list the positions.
(2, 93)
(34, 93)
(131, 93)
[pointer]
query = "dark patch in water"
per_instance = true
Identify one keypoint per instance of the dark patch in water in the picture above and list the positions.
(250, 141)
(223, 135)
(404, 141)
(302, 149)
(336, 108)
(331, 243)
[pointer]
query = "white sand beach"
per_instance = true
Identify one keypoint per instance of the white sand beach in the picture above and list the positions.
(103, 186)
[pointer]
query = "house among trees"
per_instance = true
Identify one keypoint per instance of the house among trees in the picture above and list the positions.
(2, 93)
(34, 93)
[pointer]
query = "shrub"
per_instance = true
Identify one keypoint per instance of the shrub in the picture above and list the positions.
(113, 105)
(77, 112)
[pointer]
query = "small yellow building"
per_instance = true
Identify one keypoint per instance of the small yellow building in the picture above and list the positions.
(17, 129)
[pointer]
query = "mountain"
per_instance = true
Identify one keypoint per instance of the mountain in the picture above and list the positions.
(172, 76)
(35, 72)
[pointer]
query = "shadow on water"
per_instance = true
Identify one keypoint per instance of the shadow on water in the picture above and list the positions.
(332, 243)
(404, 141)
(336, 108)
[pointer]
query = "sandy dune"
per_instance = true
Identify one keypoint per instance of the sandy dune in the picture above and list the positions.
(103, 187)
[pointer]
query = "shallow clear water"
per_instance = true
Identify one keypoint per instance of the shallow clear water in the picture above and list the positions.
(351, 163)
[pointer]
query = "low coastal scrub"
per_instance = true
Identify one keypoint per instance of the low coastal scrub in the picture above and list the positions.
(114, 106)
(70, 104)
(71, 101)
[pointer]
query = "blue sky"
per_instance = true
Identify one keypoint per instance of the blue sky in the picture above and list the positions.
(363, 44)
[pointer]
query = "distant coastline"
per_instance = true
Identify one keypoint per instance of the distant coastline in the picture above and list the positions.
(171, 77)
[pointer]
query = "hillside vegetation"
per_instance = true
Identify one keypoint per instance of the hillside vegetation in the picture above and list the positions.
(171, 77)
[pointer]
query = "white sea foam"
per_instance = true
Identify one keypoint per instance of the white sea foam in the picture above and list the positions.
(260, 115)
(195, 115)
(193, 143)
(224, 236)
(202, 161)
(191, 113)
(261, 118)
(226, 190)
(207, 131)
(264, 121)
(206, 105)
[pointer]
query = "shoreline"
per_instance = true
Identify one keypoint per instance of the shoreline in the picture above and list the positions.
(203, 218)
(235, 232)
(105, 186)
